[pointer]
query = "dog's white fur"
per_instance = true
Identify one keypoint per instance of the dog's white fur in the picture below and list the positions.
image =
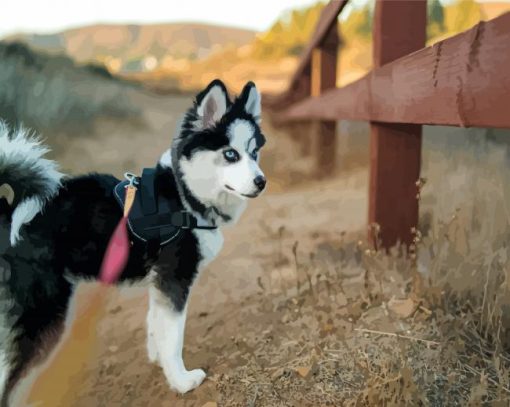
(4, 373)
(206, 175)
(21, 143)
(240, 176)
(22, 215)
(6, 333)
(165, 328)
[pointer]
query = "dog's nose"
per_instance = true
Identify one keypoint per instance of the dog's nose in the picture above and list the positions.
(260, 182)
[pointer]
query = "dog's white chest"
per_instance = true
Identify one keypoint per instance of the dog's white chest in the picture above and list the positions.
(210, 243)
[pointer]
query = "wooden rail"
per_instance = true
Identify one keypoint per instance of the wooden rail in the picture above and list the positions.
(461, 81)
(395, 150)
(300, 83)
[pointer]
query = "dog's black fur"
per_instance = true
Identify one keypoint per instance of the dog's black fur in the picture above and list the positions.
(68, 242)
(68, 239)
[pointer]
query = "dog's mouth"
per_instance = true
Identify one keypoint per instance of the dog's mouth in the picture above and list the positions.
(245, 195)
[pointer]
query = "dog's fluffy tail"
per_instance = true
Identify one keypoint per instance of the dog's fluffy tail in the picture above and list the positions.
(27, 179)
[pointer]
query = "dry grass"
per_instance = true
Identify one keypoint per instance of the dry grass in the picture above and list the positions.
(333, 322)
(346, 340)
(358, 327)
(52, 92)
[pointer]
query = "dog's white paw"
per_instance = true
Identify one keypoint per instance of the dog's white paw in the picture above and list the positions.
(187, 380)
(152, 351)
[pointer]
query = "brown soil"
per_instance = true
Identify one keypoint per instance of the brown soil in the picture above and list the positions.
(297, 311)
(233, 304)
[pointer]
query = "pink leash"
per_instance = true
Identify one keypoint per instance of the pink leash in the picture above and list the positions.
(117, 252)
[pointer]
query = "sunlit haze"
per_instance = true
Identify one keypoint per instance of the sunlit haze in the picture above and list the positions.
(55, 15)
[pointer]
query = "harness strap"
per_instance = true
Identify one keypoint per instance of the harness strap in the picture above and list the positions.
(153, 248)
(154, 220)
(148, 191)
(149, 202)
(182, 219)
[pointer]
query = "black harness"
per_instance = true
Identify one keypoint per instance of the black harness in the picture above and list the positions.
(154, 220)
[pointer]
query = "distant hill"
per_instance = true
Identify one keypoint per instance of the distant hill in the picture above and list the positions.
(134, 48)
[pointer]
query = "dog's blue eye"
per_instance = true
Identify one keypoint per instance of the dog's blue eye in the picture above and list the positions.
(255, 154)
(231, 156)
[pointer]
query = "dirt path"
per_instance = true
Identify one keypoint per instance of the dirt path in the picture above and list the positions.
(222, 298)
(295, 311)
(267, 232)
(255, 259)
(263, 332)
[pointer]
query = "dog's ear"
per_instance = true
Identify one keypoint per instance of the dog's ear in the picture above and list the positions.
(212, 103)
(250, 99)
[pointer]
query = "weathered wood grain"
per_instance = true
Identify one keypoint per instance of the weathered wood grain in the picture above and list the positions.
(461, 81)
(395, 149)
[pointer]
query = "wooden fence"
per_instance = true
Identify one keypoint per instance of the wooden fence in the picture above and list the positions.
(461, 81)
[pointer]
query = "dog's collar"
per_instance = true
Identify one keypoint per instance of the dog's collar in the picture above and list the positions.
(154, 218)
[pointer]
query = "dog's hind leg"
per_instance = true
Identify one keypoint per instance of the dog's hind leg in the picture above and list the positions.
(152, 351)
(166, 325)
(4, 377)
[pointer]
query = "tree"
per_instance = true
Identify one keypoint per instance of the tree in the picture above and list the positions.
(289, 34)
(462, 15)
(358, 25)
(436, 19)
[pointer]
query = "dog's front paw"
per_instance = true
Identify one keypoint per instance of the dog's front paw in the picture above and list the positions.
(187, 380)
(152, 351)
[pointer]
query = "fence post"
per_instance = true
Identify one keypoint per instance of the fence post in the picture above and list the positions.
(395, 149)
(324, 64)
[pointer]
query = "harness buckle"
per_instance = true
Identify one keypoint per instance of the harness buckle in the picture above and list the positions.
(132, 178)
(182, 219)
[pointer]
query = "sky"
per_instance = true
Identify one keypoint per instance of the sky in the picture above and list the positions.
(47, 16)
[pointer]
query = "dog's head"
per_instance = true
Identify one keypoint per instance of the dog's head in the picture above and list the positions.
(217, 150)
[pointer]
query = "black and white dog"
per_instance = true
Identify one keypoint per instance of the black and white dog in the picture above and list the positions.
(54, 229)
